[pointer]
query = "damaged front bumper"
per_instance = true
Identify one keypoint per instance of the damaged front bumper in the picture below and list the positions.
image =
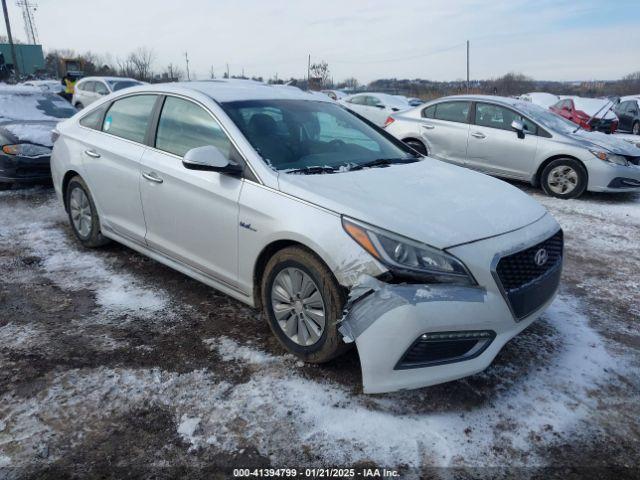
(411, 336)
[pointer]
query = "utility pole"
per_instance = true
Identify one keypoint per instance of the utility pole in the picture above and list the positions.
(309, 72)
(228, 76)
(16, 70)
(186, 58)
(467, 66)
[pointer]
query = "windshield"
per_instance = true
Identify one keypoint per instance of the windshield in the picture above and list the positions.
(300, 134)
(547, 118)
(120, 84)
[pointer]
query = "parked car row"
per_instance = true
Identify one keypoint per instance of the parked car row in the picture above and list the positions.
(516, 139)
(337, 230)
(340, 231)
(600, 114)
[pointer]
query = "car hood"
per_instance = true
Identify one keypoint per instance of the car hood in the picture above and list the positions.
(606, 141)
(36, 132)
(430, 201)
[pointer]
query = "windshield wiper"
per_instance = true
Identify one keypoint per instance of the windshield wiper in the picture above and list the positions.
(382, 162)
(312, 170)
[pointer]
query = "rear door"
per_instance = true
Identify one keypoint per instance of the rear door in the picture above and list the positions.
(111, 160)
(495, 148)
(191, 215)
(445, 130)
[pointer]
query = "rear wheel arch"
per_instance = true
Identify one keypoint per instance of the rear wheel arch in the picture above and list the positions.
(536, 181)
(65, 184)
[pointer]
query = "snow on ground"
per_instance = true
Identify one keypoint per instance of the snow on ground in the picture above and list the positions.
(117, 293)
(554, 390)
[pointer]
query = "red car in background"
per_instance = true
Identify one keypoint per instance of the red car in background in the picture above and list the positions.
(589, 113)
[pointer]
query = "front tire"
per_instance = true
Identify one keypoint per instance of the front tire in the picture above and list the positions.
(636, 128)
(564, 178)
(303, 304)
(79, 106)
(83, 215)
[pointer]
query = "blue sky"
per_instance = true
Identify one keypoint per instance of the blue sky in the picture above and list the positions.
(556, 40)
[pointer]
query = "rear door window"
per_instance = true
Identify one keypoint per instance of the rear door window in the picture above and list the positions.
(129, 117)
(183, 125)
(453, 111)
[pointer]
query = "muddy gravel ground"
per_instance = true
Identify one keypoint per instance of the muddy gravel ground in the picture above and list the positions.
(112, 365)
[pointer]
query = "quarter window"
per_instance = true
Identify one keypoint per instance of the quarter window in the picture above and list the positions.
(494, 116)
(373, 101)
(129, 117)
(429, 112)
(183, 125)
(453, 111)
(93, 119)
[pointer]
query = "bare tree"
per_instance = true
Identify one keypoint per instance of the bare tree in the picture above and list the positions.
(319, 75)
(141, 61)
(172, 73)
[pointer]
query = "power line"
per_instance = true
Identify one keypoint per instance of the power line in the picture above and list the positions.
(28, 9)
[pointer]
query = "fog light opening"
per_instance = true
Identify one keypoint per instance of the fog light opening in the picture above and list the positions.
(441, 348)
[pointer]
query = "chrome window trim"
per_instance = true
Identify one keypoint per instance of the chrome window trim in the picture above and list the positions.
(177, 95)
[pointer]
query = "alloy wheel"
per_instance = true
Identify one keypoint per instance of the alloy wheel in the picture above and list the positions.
(298, 306)
(563, 180)
(81, 214)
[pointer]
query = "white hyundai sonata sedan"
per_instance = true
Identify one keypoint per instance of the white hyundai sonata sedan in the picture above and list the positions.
(338, 232)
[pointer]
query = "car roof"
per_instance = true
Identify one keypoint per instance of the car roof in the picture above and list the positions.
(224, 90)
(107, 79)
(479, 98)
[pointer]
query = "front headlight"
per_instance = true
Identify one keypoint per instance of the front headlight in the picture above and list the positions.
(610, 157)
(406, 258)
(27, 150)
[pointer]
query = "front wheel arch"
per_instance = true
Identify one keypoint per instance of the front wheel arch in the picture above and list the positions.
(536, 180)
(267, 253)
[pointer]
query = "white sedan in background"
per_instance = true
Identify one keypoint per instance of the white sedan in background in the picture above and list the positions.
(375, 107)
(90, 89)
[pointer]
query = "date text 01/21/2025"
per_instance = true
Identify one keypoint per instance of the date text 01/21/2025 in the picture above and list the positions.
(316, 473)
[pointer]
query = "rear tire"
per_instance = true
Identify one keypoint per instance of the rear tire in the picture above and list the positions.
(296, 266)
(418, 146)
(83, 215)
(79, 106)
(564, 178)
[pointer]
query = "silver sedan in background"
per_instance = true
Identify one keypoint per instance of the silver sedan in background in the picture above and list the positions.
(514, 139)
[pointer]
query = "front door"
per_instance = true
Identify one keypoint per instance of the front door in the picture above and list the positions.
(191, 215)
(494, 147)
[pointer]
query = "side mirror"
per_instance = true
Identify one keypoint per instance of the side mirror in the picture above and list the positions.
(210, 159)
(518, 126)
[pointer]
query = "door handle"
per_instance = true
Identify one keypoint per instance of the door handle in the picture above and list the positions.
(92, 153)
(428, 127)
(152, 177)
(478, 135)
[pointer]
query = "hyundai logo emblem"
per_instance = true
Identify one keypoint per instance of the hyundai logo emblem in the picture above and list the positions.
(541, 257)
